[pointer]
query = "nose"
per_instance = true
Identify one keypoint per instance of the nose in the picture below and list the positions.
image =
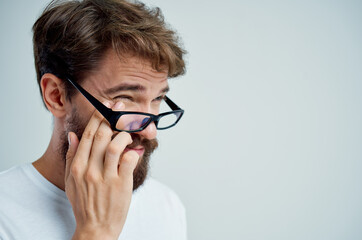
(150, 132)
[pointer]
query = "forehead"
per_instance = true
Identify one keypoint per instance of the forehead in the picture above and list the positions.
(113, 71)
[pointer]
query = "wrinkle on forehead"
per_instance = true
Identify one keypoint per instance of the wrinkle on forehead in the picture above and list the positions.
(113, 70)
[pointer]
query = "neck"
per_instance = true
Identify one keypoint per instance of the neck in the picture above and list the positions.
(52, 165)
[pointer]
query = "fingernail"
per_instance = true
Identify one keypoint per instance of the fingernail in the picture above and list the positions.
(107, 104)
(119, 105)
(69, 138)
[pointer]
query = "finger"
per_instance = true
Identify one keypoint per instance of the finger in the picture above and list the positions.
(126, 168)
(85, 144)
(113, 153)
(119, 106)
(73, 145)
(116, 148)
(101, 140)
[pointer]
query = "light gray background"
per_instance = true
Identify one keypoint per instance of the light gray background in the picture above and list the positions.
(270, 144)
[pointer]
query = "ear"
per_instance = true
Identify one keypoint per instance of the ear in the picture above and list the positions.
(53, 93)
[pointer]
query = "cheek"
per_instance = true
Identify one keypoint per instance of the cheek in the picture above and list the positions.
(75, 123)
(80, 113)
(85, 114)
(83, 107)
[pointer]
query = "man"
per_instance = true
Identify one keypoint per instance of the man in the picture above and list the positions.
(102, 68)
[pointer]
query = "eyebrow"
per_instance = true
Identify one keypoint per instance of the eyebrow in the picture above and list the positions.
(131, 87)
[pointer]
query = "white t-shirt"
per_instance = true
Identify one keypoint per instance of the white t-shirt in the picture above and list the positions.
(33, 208)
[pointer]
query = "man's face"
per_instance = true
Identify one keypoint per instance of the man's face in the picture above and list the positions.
(132, 82)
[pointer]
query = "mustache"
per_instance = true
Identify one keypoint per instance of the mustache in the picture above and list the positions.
(149, 144)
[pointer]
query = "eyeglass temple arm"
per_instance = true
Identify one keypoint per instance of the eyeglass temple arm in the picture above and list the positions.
(106, 112)
(171, 104)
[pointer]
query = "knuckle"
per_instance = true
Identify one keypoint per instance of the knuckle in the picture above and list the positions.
(98, 115)
(103, 132)
(100, 135)
(112, 149)
(75, 170)
(91, 176)
(130, 159)
(88, 134)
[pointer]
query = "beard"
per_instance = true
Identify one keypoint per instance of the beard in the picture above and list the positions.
(77, 125)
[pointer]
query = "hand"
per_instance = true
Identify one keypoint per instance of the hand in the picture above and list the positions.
(99, 179)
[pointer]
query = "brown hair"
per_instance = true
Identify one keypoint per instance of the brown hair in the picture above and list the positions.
(71, 37)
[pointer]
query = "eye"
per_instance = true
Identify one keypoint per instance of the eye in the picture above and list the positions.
(159, 99)
(124, 97)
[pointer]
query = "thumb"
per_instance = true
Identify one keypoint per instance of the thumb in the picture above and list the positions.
(72, 149)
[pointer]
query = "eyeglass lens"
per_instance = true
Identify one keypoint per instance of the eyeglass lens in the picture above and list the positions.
(132, 122)
(167, 120)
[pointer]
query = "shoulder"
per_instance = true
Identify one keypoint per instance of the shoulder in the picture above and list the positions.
(153, 189)
(11, 177)
(156, 210)
(156, 198)
(9, 172)
(154, 186)
(14, 182)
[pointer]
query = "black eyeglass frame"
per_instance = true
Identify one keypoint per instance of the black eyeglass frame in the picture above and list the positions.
(113, 116)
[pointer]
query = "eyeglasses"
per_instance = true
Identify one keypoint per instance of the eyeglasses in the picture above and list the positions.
(126, 121)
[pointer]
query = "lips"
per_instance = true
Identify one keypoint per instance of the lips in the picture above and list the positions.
(139, 150)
